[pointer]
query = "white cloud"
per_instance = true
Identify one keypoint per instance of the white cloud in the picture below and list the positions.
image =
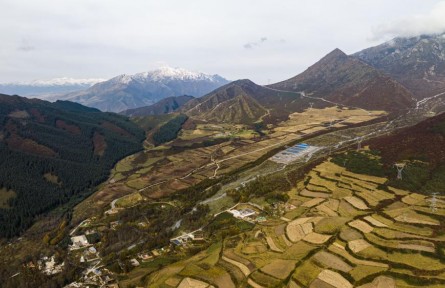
(432, 22)
(251, 45)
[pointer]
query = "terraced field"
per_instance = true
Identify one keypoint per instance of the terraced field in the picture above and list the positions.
(351, 231)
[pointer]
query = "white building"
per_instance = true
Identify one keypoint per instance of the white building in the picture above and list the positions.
(79, 241)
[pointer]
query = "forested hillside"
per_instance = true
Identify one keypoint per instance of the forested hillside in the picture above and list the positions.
(55, 153)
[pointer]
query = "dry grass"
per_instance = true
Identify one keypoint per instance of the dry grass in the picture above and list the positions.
(329, 260)
(374, 197)
(361, 178)
(349, 234)
(417, 245)
(410, 216)
(254, 284)
(313, 202)
(356, 202)
(414, 199)
(358, 245)
(347, 210)
(361, 226)
(279, 268)
(308, 193)
(193, 283)
(316, 238)
(295, 231)
(323, 209)
(334, 279)
(374, 222)
(241, 266)
(342, 252)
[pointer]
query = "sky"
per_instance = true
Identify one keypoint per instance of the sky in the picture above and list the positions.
(262, 40)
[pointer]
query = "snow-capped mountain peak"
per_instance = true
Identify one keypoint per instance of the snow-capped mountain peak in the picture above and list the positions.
(167, 74)
(176, 73)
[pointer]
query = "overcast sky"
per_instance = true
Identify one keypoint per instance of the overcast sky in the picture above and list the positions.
(265, 41)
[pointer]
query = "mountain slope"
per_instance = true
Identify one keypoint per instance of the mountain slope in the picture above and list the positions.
(244, 102)
(46, 88)
(421, 148)
(53, 153)
(344, 79)
(164, 106)
(132, 91)
(418, 62)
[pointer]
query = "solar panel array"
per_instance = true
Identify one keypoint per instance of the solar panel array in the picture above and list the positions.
(295, 152)
(297, 148)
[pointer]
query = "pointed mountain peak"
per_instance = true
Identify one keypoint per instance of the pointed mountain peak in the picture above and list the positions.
(335, 54)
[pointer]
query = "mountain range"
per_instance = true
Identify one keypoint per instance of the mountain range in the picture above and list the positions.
(336, 79)
(125, 92)
(389, 77)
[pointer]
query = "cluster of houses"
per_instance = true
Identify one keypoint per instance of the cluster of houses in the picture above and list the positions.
(95, 277)
(49, 266)
(251, 215)
(194, 237)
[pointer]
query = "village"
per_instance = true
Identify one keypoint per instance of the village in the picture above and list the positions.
(85, 240)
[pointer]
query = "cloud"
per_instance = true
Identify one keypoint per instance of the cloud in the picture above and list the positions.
(431, 23)
(251, 45)
(25, 46)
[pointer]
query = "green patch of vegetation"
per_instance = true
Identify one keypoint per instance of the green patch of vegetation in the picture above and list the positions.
(213, 255)
(306, 273)
(74, 162)
(129, 200)
(330, 225)
(271, 188)
(364, 162)
(196, 218)
(148, 123)
(169, 130)
(361, 271)
(225, 225)
(419, 176)
(264, 279)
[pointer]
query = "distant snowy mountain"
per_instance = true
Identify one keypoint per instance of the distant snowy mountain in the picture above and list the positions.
(132, 91)
(44, 88)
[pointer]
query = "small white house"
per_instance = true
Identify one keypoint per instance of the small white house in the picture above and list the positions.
(80, 241)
